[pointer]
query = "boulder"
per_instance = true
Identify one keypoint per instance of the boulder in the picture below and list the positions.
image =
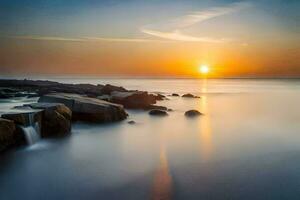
(86, 108)
(157, 112)
(188, 95)
(56, 119)
(133, 99)
(175, 95)
(192, 113)
(108, 89)
(7, 129)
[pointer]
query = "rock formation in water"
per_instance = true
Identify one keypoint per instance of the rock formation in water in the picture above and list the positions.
(188, 95)
(7, 130)
(56, 119)
(157, 112)
(129, 99)
(86, 108)
(192, 113)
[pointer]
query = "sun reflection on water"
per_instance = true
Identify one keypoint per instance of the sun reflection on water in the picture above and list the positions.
(162, 179)
(205, 134)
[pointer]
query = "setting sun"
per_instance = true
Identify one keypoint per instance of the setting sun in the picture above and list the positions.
(204, 69)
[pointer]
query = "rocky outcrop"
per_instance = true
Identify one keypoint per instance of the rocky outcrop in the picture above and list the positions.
(11, 93)
(42, 87)
(133, 99)
(87, 109)
(157, 112)
(192, 113)
(188, 95)
(56, 119)
(108, 89)
(7, 130)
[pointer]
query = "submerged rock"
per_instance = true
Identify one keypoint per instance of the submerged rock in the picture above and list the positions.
(131, 122)
(7, 129)
(188, 95)
(86, 108)
(158, 112)
(192, 113)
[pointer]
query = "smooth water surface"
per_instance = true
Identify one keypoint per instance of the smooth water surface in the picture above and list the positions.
(245, 146)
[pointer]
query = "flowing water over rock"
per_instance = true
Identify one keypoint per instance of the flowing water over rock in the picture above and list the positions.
(32, 131)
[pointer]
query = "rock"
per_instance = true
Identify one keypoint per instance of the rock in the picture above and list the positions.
(108, 89)
(192, 113)
(159, 97)
(175, 95)
(42, 87)
(104, 97)
(7, 129)
(131, 122)
(86, 108)
(56, 119)
(158, 112)
(188, 95)
(170, 110)
(152, 107)
(24, 116)
(133, 99)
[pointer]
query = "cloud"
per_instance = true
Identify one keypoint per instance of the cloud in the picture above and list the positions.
(174, 26)
(166, 31)
(178, 36)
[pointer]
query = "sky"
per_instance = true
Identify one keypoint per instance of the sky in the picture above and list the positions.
(153, 38)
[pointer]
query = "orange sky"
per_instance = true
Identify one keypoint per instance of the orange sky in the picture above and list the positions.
(234, 39)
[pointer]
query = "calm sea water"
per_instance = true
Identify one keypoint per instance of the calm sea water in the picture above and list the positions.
(245, 146)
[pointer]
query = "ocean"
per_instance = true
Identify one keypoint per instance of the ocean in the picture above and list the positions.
(245, 146)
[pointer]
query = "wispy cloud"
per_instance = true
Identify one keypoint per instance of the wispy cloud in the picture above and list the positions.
(175, 26)
(165, 31)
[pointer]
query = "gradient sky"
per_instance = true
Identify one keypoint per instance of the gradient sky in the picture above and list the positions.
(160, 38)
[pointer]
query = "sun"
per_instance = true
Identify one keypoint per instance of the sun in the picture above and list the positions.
(203, 69)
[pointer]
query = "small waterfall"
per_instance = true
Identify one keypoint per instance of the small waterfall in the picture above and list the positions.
(32, 132)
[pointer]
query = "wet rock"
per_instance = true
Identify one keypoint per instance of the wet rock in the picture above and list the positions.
(24, 116)
(175, 95)
(157, 112)
(188, 95)
(7, 129)
(133, 99)
(56, 119)
(192, 113)
(86, 108)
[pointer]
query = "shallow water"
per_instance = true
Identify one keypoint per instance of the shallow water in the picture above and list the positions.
(245, 146)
